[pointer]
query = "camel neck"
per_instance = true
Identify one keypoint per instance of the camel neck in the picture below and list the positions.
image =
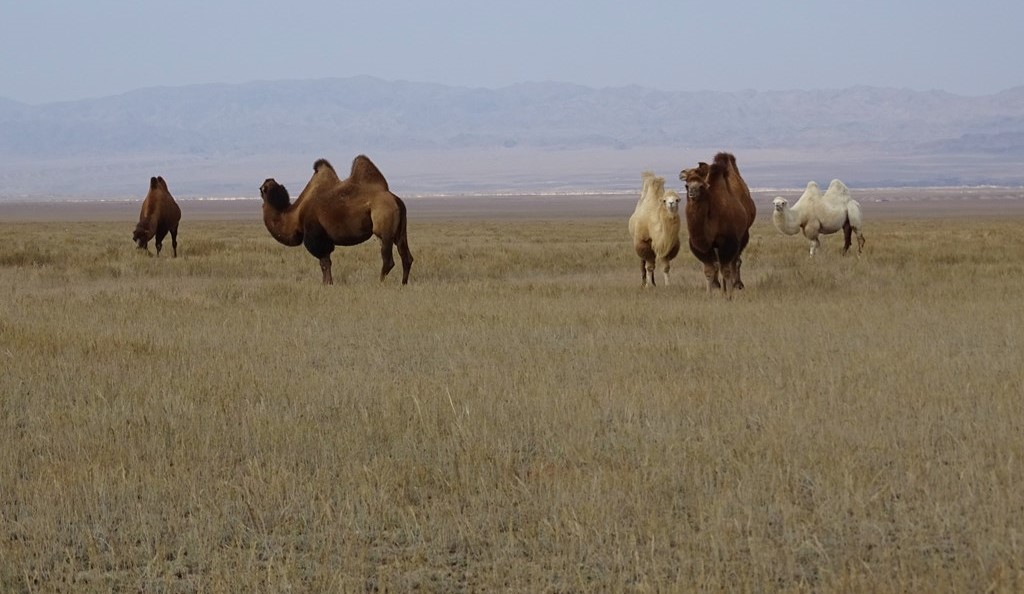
(786, 221)
(283, 225)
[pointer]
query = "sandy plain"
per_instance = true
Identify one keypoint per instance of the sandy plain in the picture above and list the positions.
(913, 203)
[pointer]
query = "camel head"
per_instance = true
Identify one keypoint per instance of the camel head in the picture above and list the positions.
(780, 204)
(696, 180)
(671, 201)
(141, 236)
(274, 194)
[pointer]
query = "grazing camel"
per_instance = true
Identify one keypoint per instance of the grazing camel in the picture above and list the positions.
(719, 213)
(654, 227)
(160, 215)
(331, 211)
(817, 214)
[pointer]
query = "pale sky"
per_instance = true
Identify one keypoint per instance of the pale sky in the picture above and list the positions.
(57, 50)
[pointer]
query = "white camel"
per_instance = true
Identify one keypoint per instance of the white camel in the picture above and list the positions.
(818, 214)
(655, 226)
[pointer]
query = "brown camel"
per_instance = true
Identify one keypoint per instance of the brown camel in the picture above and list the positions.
(160, 215)
(331, 211)
(719, 213)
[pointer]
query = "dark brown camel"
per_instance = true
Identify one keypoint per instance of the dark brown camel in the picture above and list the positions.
(160, 215)
(331, 211)
(719, 213)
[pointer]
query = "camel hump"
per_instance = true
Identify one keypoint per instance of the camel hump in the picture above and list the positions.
(653, 185)
(725, 160)
(838, 187)
(158, 183)
(726, 164)
(323, 171)
(718, 169)
(365, 172)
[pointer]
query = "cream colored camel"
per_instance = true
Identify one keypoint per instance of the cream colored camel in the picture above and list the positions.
(655, 227)
(817, 214)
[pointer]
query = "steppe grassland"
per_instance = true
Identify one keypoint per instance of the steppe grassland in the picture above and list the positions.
(521, 417)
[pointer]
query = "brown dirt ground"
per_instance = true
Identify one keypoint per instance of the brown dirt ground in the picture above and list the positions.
(913, 203)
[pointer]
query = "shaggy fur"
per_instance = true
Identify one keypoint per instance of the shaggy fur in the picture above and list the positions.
(331, 211)
(719, 213)
(655, 226)
(817, 214)
(160, 215)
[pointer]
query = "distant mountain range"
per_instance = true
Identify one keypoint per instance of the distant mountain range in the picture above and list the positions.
(256, 124)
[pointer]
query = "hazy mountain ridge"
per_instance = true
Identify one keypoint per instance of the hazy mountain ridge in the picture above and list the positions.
(368, 113)
(223, 139)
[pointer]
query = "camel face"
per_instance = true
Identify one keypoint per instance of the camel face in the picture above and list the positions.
(780, 204)
(696, 181)
(671, 200)
(140, 237)
(274, 194)
(695, 188)
(267, 187)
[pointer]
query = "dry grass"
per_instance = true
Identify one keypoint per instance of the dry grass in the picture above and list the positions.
(521, 417)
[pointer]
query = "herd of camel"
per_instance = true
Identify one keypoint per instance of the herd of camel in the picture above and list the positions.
(719, 211)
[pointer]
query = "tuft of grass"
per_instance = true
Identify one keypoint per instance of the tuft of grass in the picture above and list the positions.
(520, 417)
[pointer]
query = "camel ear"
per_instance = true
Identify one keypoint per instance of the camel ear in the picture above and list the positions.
(153, 183)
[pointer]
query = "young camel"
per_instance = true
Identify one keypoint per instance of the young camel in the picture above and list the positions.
(655, 227)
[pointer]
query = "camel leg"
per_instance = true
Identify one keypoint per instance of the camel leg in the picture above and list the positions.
(847, 232)
(665, 270)
(406, 255)
(387, 257)
(711, 273)
(643, 273)
(815, 244)
(649, 270)
(159, 239)
(325, 268)
(727, 279)
(738, 282)
(860, 242)
(174, 241)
